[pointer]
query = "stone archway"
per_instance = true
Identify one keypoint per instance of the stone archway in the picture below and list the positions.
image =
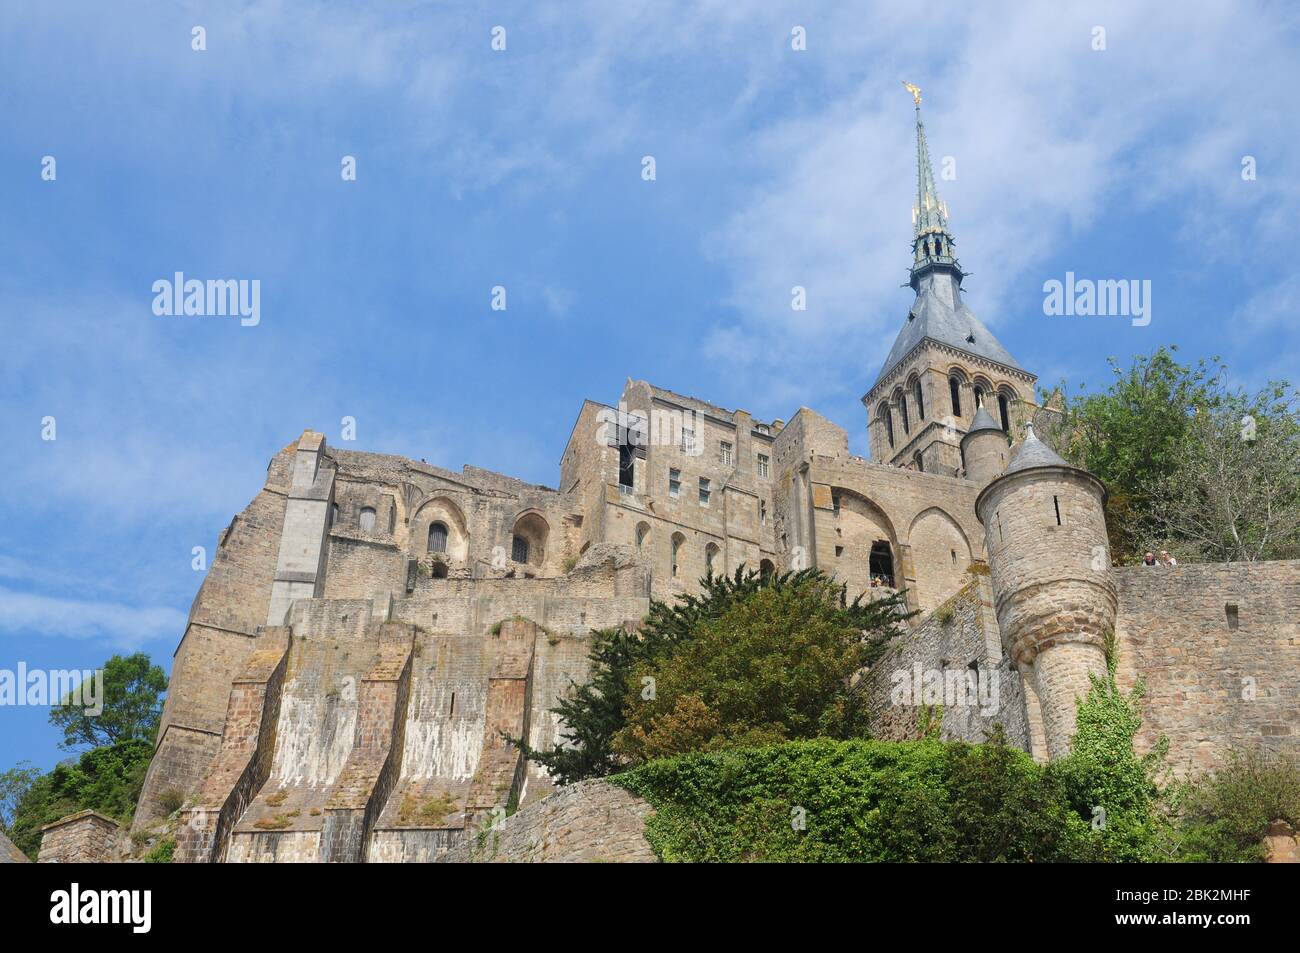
(941, 555)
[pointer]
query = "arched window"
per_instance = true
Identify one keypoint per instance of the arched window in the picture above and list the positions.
(954, 394)
(367, 519)
(437, 537)
(642, 531)
(766, 569)
(979, 396)
(677, 541)
(902, 412)
(920, 463)
(711, 559)
(1002, 411)
(528, 540)
(920, 402)
(888, 418)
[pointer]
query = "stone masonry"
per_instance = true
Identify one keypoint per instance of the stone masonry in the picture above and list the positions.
(86, 837)
(588, 822)
(374, 631)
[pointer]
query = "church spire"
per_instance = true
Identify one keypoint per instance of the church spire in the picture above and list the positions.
(933, 245)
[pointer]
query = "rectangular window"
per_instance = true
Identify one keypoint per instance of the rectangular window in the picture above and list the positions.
(704, 492)
(763, 465)
(724, 453)
(688, 440)
(674, 483)
(519, 549)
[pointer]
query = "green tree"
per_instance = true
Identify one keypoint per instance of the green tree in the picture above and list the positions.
(14, 784)
(594, 712)
(1190, 464)
(1234, 495)
(107, 779)
(1130, 436)
(132, 705)
(774, 666)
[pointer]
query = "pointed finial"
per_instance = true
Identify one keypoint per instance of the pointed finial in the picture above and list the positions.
(914, 90)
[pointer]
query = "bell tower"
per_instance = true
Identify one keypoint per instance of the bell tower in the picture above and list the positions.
(945, 364)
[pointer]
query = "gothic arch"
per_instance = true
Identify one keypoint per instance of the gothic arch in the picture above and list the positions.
(529, 537)
(441, 509)
(941, 555)
(859, 524)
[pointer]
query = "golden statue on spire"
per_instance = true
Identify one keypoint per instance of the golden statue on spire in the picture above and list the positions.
(914, 90)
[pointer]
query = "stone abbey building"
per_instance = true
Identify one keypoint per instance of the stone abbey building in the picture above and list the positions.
(372, 626)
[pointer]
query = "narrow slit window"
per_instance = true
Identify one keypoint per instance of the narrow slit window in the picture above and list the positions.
(1056, 502)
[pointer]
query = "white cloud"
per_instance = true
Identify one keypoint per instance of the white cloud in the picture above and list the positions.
(123, 626)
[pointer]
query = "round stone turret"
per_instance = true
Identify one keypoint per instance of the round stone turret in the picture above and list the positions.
(1045, 532)
(984, 448)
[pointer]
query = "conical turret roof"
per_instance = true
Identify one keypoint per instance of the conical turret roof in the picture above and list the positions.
(1034, 453)
(983, 421)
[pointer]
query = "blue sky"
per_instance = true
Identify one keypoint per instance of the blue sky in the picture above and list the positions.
(522, 168)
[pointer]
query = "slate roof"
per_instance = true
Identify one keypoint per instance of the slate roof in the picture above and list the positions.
(1034, 453)
(933, 318)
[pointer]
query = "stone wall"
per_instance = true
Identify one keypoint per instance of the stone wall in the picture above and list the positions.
(231, 603)
(589, 822)
(83, 838)
(956, 643)
(1218, 648)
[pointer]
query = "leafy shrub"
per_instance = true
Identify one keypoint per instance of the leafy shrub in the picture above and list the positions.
(162, 852)
(107, 779)
(1223, 817)
(171, 800)
(859, 800)
(597, 711)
